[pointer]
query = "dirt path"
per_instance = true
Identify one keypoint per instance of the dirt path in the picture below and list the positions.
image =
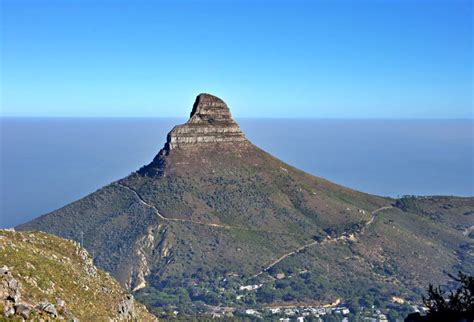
(157, 212)
(142, 201)
(344, 236)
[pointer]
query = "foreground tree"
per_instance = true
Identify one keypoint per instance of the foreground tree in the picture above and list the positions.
(456, 306)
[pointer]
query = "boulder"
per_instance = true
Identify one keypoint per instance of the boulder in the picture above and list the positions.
(60, 303)
(48, 308)
(4, 270)
(22, 310)
(9, 311)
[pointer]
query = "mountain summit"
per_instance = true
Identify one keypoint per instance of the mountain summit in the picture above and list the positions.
(213, 212)
(210, 122)
(210, 125)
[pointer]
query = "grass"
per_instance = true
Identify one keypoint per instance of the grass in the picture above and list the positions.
(49, 267)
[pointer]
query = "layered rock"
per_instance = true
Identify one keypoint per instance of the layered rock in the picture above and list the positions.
(210, 122)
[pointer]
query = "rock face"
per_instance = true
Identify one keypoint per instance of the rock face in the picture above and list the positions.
(210, 122)
(126, 309)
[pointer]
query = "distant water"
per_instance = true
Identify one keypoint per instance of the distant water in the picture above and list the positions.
(47, 163)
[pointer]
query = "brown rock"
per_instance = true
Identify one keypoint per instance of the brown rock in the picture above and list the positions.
(210, 122)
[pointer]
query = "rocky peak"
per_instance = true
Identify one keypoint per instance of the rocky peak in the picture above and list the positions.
(210, 122)
(209, 109)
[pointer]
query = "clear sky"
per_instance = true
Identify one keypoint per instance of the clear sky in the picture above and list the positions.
(341, 59)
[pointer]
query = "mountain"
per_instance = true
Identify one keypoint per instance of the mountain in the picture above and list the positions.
(212, 212)
(48, 277)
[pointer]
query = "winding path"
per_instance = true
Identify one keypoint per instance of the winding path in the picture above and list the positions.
(328, 239)
(157, 212)
(343, 236)
(141, 200)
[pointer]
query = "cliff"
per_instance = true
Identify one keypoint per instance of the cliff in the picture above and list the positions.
(210, 122)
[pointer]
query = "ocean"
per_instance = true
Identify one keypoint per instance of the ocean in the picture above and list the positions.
(48, 162)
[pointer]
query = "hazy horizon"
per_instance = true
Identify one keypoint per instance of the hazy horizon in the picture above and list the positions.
(183, 119)
(56, 161)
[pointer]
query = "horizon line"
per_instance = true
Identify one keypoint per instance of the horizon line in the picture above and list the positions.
(276, 118)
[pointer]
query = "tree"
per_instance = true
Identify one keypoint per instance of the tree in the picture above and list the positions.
(456, 306)
(353, 305)
(392, 315)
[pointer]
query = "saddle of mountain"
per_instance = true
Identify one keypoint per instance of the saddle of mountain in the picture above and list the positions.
(213, 211)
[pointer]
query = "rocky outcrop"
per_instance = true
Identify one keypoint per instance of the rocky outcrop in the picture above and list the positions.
(10, 292)
(126, 309)
(210, 126)
(49, 278)
(13, 303)
(48, 308)
(88, 263)
(210, 123)
(143, 250)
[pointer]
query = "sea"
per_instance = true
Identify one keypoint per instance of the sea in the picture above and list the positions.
(46, 163)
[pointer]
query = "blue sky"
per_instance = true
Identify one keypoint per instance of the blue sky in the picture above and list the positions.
(326, 59)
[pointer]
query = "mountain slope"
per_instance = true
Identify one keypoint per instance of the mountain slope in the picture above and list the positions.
(212, 205)
(49, 277)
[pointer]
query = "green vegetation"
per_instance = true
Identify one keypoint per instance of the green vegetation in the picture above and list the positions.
(50, 268)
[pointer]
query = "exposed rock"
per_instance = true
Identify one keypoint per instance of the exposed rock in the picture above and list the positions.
(9, 311)
(4, 270)
(210, 125)
(145, 246)
(126, 309)
(89, 267)
(9, 287)
(10, 295)
(48, 308)
(22, 310)
(60, 303)
(210, 122)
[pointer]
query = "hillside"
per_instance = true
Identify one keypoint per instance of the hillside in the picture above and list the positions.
(213, 212)
(46, 277)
